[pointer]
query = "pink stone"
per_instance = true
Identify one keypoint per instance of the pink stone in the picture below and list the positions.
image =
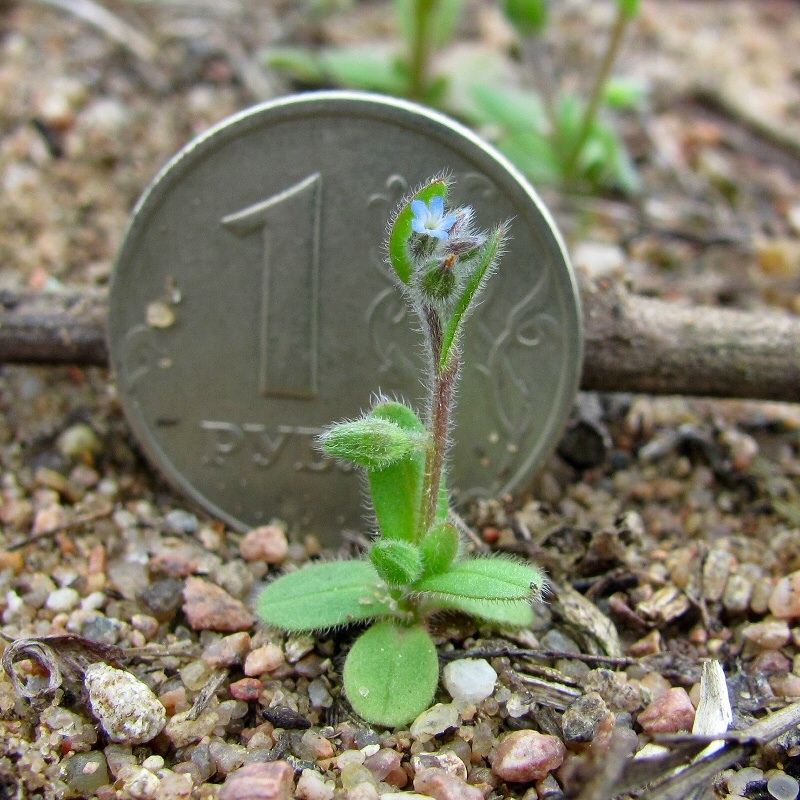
(527, 756)
(768, 662)
(264, 781)
(267, 543)
(247, 689)
(263, 659)
(784, 602)
(208, 607)
(670, 713)
(785, 685)
(229, 651)
(441, 785)
(770, 634)
(383, 762)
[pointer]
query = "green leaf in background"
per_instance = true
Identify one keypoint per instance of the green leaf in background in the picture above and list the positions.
(629, 8)
(323, 596)
(391, 673)
(371, 442)
(605, 161)
(513, 613)
(444, 21)
(397, 489)
(401, 229)
(399, 563)
(534, 155)
(624, 94)
(511, 109)
(484, 579)
(569, 119)
(527, 16)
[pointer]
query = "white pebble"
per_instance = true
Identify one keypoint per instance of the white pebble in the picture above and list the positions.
(783, 786)
(469, 680)
(126, 708)
(312, 786)
(62, 600)
(434, 721)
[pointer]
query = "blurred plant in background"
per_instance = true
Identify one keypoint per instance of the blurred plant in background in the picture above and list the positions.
(553, 134)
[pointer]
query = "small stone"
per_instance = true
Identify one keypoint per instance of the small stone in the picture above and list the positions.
(227, 757)
(247, 689)
(79, 442)
(62, 600)
(312, 786)
(270, 781)
(362, 791)
(785, 685)
(582, 720)
(266, 543)
(770, 634)
(738, 593)
(298, 646)
(315, 746)
(101, 629)
(138, 783)
(444, 760)
(527, 756)
(263, 659)
(383, 762)
(671, 712)
(319, 695)
(126, 708)
(784, 602)
(739, 781)
(435, 720)
(160, 315)
(229, 651)
(783, 787)
(86, 772)
(182, 731)
(208, 607)
(469, 680)
(716, 569)
(441, 785)
(353, 775)
(614, 689)
(162, 598)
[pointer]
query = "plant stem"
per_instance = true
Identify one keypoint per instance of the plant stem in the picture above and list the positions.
(443, 385)
(596, 97)
(420, 51)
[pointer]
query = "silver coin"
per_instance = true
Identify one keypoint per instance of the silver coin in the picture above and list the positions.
(251, 307)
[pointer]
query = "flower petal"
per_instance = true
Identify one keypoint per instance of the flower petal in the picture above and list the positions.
(418, 226)
(437, 206)
(438, 233)
(419, 208)
(448, 222)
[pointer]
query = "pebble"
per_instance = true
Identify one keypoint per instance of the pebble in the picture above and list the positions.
(442, 785)
(784, 602)
(208, 607)
(62, 600)
(582, 720)
(86, 772)
(770, 634)
(182, 731)
(435, 720)
(716, 570)
(738, 593)
(229, 651)
(614, 689)
(180, 521)
(444, 761)
(312, 786)
(469, 680)
(783, 787)
(79, 442)
(138, 783)
(247, 689)
(671, 712)
(785, 685)
(739, 781)
(270, 781)
(527, 756)
(382, 763)
(126, 708)
(162, 598)
(266, 543)
(263, 659)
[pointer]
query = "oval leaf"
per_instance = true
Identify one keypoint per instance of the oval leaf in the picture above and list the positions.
(484, 579)
(509, 613)
(391, 673)
(325, 596)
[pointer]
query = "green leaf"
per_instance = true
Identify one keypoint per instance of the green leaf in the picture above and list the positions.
(401, 230)
(325, 596)
(534, 155)
(300, 63)
(514, 613)
(484, 579)
(439, 548)
(444, 20)
(605, 161)
(528, 16)
(397, 489)
(399, 563)
(512, 109)
(391, 674)
(366, 69)
(481, 272)
(624, 94)
(569, 121)
(370, 442)
(629, 8)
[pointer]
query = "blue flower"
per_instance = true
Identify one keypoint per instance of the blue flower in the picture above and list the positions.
(430, 219)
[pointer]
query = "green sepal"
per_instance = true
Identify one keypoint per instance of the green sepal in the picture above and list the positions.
(324, 596)
(399, 563)
(370, 442)
(400, 231)
(391, 673)
(439, 548)
(527, 16)
(438, 282)
(481, 272)
(493, 579)
(511, 613)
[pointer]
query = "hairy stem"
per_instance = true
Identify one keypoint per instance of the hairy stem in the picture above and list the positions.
(420, 51)
(596, 97)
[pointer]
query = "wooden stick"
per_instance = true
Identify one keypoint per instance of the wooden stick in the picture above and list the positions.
(633, 344)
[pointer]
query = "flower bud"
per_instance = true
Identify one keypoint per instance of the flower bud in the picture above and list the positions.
(438, 279)
(399, 563)
(440, 548)
(370, 442)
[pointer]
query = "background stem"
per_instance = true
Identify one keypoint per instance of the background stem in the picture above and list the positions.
(420, 52)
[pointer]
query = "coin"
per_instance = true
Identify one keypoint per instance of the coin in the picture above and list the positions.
(251, 306)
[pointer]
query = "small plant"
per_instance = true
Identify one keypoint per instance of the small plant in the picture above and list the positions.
(417, 563)
(427, 26)
(552, 135)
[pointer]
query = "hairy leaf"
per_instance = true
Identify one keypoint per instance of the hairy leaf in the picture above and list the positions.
(401, 230)
(513, 613)
(484, 579)
(371, 442)
(391, 673)
(399, 563)
(481, 272)
(439, 548)
(325, 596)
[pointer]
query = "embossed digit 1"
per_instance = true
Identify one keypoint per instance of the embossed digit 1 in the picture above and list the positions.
(288, 343)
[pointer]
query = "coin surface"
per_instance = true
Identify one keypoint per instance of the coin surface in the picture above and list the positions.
(251, 306)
